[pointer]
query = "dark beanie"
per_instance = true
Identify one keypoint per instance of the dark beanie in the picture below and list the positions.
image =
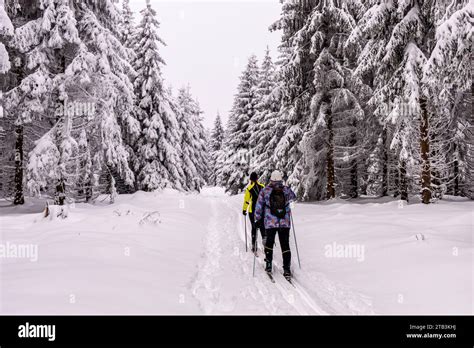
(253, 176)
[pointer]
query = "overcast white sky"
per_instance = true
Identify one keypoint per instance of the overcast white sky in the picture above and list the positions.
(208, 43)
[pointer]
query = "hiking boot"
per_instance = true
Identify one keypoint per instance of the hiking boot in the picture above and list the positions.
(287, 274)
(268, 266)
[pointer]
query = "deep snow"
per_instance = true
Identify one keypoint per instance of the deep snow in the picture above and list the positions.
(173, 253)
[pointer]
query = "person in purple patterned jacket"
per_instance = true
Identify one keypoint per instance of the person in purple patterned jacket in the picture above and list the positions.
(273, 224)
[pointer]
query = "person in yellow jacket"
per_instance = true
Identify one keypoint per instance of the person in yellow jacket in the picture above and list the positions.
(250, 201)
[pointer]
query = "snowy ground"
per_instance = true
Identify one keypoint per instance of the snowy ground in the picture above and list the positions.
(189, 258)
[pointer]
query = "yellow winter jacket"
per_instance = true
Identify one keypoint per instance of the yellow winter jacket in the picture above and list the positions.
(251, 195)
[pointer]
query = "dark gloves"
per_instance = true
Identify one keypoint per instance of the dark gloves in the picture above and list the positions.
(244, 212)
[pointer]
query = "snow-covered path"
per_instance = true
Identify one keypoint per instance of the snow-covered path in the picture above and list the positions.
(172, 253)
(225, 284)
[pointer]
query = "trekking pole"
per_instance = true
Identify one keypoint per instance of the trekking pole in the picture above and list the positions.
(254, 256)
(296, 243)
(245, 224)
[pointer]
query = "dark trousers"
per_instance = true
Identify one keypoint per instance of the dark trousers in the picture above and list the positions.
(284, 236)
(254, 229)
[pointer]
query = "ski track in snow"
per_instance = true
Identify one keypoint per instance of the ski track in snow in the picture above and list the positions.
(224, 282)
(328, 297)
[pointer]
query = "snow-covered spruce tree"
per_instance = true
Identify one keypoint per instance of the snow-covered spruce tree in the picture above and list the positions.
(358, 136)
(368, 40)
(103, 29)
(362, 162)
(90, 92)
(6, 31)
(217, 135)
(264, 121)
(296, 77)
(215, 147)
(221, 173)
(335, 107)
(397, 44)
(127, 28)
(194, 157)
(45, 34)
(112, 20)
(275, 120)
(320, 102)
(448, 81)
(127, 37)
(236, 167)
(158, 156)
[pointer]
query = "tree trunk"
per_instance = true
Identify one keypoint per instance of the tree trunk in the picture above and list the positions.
(425, 154)
(403, 181)
(396, 182)
(354, 193)
(456, 191)
(60, 193)
(60, 196)
(19, 197)
(330, 191)
(384, 164)
(88, 191)
(354, 181)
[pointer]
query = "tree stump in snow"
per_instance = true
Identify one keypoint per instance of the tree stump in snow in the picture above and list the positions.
(150, 218)
(420, 236)
(56, 211)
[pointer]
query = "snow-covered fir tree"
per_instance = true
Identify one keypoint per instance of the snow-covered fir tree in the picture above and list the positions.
(264, 121)
(194, 155)
(332, 131)
(320, 109)
(80, 78)
(115, 106)
(127, 29)
(296, 78)
(217, 135)
(398, 44)
(447, 78)
(158, 161)
(127, 34)
(41, 46)
(215, 146)
(238, 156)
(6, 31)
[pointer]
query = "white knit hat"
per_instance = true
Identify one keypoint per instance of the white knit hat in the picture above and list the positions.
(276, 176)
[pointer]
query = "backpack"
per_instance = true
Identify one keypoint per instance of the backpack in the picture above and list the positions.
(254, 192)
(278, 203)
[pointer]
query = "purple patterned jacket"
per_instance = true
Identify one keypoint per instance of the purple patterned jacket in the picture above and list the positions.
(263, 206)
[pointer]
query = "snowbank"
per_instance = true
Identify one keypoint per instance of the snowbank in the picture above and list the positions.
(401, 273)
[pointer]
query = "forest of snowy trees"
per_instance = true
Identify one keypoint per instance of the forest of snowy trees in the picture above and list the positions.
(84, 109)
(368, 97)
